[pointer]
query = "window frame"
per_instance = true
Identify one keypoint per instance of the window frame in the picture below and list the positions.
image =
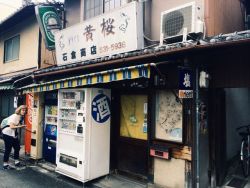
(5, 60)
(103, 2)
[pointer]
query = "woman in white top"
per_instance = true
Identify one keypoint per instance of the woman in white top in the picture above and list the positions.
(10, 136)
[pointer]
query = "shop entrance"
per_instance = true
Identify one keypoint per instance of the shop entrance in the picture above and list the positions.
(132, 154)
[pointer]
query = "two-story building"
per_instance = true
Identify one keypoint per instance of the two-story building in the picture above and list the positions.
(144, 52)
(22, 51)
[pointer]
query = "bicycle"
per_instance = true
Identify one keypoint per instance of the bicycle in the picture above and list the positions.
(245, 148)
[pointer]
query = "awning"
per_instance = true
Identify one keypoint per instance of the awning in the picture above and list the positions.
(126, 73)
(6, 87)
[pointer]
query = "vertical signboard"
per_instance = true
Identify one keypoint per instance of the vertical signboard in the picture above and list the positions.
(49, 23)
(185, 83)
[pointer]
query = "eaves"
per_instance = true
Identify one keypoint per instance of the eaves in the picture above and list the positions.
(142, 56)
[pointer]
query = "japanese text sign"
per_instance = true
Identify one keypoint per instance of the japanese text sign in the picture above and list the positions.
(185, 83)
(101, 108)
(115, 32)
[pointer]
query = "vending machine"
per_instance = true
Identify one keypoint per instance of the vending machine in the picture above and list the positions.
(37, 126)
(83, 137)
(50, 133)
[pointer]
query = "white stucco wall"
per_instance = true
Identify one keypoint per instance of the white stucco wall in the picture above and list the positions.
(169, 173)
(28, 54)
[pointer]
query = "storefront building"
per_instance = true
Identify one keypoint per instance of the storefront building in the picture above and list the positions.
(154, 91)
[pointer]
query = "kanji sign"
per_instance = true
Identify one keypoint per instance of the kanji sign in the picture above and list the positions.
(101, 108)
(185, 83)
(115, 32)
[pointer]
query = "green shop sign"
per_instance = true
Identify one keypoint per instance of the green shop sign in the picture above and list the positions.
(49, 23)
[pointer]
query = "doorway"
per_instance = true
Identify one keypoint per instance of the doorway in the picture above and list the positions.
(132, 145)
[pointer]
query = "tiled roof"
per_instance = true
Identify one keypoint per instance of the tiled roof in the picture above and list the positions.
(17, 17)
(221, 39)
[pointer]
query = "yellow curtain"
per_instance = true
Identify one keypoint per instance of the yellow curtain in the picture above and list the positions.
(133, 120)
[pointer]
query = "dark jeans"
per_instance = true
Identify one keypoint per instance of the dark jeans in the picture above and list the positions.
(10, 142)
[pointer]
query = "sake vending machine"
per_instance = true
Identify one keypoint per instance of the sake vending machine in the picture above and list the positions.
(83, 138)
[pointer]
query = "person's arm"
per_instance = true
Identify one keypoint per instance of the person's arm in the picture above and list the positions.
(29, 130)
(13, 126)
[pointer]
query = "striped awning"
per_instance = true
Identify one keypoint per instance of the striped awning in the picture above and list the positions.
(6, 87)
(126, 73)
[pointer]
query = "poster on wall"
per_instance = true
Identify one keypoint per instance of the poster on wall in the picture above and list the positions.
(169, 124)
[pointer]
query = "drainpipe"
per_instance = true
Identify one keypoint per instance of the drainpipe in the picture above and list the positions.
(197, 129)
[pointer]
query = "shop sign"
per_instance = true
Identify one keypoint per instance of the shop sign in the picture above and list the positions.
(115, 32)
(49, 23)
(101, 108)
(185, 84)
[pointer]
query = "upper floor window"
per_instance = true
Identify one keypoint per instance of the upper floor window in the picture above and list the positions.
(11, 48)
(93, 8)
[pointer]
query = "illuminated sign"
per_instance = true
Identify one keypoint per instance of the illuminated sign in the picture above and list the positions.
(49, 23)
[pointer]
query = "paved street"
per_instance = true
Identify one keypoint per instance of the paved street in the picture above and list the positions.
(33, 176)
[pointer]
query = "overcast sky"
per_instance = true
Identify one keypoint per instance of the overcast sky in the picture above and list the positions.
(8, 7)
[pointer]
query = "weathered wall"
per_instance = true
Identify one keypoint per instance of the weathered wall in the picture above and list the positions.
(73, 12)
(223, 16)
(28, 54)
(169, 173)
(48, 58)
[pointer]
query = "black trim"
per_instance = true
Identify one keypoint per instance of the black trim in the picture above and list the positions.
(39, 49)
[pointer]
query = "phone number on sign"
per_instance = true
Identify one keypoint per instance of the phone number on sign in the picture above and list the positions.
(112, 47)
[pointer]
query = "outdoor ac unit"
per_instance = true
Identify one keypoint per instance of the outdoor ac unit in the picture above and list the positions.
(181, 21)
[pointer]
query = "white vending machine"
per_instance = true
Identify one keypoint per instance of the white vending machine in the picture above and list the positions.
(83, 135)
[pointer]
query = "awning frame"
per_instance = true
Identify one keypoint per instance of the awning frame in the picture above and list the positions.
(125, 73)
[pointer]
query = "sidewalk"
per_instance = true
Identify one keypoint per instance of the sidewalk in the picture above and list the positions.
(109, 181)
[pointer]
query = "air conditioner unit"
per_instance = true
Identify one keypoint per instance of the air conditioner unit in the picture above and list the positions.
(181, 21)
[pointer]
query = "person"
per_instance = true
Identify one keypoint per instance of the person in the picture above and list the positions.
(10, 136)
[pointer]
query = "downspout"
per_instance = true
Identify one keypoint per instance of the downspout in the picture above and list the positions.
(146, 16)
(197, 130)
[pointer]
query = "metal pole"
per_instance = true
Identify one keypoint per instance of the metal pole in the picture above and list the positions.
(197, 130)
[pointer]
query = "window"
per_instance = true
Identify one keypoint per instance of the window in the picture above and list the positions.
(94, 8)
(111, 4)
(11, 49)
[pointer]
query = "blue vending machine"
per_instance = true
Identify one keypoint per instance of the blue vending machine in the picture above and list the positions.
(50, 143)
(50, 128)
